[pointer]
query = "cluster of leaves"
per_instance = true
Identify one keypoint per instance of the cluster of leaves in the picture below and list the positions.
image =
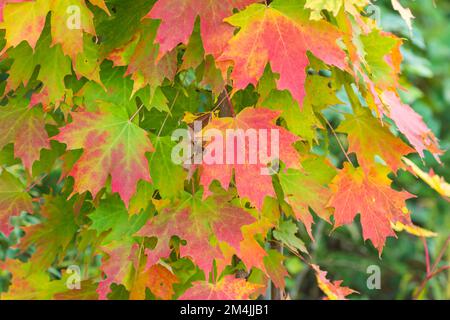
(425, 78)
(92, 92)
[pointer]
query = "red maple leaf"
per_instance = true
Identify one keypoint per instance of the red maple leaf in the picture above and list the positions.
(411, 124)
(178, 19)
(251, 181)
(369, 194)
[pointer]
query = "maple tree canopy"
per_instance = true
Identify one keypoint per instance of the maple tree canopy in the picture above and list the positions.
(94, 91)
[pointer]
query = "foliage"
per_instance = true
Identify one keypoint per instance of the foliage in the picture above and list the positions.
(92, 92)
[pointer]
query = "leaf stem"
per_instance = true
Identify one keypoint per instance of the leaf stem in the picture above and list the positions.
(427, 254)
(32, 185)
(167, 116)
(338, 140)
(137, 112)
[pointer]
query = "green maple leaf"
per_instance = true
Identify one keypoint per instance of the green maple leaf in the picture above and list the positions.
(54, 234)
(275, 268)
(54, 67)
(163, 167)
(25, 127)
(308, 189)
(286, 233)
(115, 88)
(31, 284)
(117, 29)
(13, 200)
(112, 215)
(24, 63)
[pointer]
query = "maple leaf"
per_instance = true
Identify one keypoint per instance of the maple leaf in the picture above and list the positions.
(178, 19)
(228, 288)
(3, 3)
(25, 127)
(87, 292)
(101, 4)
(111, 215)
(320, 93)
(89, 77)
(54, 234)
(30, 284)
(302, 122)
(307, 189)
(13, 200)
(141, 200)
(121, 258)
(86, 63)
(246, 170)
(368, 138)
(113, 145)
(54, 67)
(116, 89)
(251, 252)
(194, 53)
(433, 180)
(382, 57)
(121, 25)
(369, 194)
(162, 166)
(282, 35)
(158, 279)
(67, 29)
(22, 66)
(286, 233)
(24, 21)
(197, 221)
(332, 289)
(408, 226)
(275, 268)
(70, 19)
(411, 125)
(405, 13)
(212, 77)
(140, 55)
(333, 6)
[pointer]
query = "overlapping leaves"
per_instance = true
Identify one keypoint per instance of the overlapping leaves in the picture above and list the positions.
(95, 104)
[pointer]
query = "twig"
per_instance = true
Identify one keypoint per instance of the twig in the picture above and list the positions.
(338, 140)
(428, 278)
(36, 183)
(427, 254)
(229, 102)
(276, 293)
(432, 273)
(167, 116)
(441, 254)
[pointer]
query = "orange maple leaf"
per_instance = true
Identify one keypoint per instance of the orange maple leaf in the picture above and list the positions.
(275, 34)
(228, 288)
(371, 195)
(158, 279)
(332, 289)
